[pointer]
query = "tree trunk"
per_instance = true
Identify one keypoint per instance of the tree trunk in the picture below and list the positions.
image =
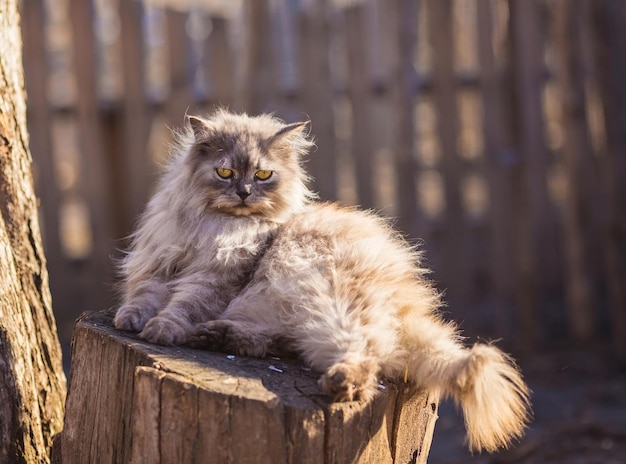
(32, 383)
(132, 401)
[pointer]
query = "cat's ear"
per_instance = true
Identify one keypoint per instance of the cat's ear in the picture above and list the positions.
(201, 130)
(294, 129)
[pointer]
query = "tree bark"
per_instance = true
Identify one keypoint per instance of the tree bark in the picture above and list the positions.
(32, 383)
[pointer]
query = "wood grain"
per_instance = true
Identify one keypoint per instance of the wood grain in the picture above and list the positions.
(148, 403)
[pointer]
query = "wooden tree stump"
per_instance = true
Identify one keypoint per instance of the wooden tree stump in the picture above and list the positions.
(132, 401)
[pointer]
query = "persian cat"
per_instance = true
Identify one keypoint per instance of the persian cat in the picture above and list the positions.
(233, 253)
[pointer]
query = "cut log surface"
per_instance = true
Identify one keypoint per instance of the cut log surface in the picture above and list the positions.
(132, 401)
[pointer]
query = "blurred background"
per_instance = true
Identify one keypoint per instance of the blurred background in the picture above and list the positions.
(493, 132)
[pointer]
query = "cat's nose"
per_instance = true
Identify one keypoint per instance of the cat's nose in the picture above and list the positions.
(243, 190)
(243, 194)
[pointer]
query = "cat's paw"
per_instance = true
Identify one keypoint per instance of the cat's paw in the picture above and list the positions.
(207, 335)
(227, 336)
(131, 317)
(163, 331)
(350, 381)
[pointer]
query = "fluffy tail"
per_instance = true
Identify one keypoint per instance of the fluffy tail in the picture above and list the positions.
(483, 381)
(488, 387)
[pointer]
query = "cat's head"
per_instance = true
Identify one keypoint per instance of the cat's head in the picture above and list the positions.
(244, 165)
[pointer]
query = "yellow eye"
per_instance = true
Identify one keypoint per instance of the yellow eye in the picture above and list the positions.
(263, 175)
(224, 173)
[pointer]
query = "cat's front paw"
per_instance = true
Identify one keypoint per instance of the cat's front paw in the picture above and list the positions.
(349, 382)
(131, 317)
(163, 331)
(227, 336)
(208, 335)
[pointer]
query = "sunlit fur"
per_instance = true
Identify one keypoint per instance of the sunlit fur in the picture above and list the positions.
(338, 286)
(198, 241)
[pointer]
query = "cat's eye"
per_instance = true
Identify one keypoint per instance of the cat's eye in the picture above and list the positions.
(263, 175)
(224, 173)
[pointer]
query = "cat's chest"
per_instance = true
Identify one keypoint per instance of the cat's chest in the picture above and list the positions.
(236, 245)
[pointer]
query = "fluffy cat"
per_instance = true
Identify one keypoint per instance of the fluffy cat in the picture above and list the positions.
(232, 253)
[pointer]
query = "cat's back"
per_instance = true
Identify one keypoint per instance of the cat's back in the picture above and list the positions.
(340, 222)
(346, 234)
(333, 250)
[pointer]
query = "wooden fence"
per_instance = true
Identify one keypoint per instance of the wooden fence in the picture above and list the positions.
(491, 129)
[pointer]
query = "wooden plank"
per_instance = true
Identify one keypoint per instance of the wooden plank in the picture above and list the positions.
(94, 180)
(359, 92)
(256, 92)
(185, 405)
(137, 168)
(499, 171)
(576, 147)
(455, 265)
(535, 245)
(591, 194)
(112, 130)
(284, 51)
(180, 99)
(610, 47)
(404, 23)
(380, 54)
(219, 66)
(317, 99)
(39, 115)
